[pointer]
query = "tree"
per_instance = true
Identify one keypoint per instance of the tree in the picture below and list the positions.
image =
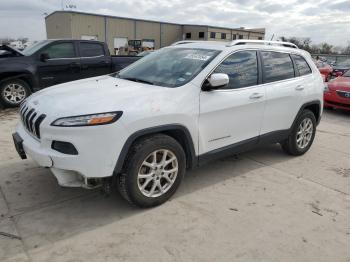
(302, 43)
(346, 50)
(325, 48)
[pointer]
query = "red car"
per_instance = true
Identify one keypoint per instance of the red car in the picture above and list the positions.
(325, 69)
(337, 92)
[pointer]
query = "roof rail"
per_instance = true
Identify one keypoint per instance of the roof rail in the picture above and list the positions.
(185, 42)
(243, 42)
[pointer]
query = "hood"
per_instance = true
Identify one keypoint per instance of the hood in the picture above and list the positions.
(94, 95)
(13, 51)
(340, 83)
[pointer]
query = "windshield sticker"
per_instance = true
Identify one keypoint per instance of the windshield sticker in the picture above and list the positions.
(181, 79)
(197, 57)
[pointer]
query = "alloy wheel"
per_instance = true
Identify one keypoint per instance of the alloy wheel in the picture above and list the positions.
(14, 93)
(157, 173)
(305, 132)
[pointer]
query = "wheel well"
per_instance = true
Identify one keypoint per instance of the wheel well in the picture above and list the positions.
(315, 109)
(182, 139)
(22, 76)
(179, 133)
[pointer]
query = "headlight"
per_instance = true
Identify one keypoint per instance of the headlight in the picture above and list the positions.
(88, 120)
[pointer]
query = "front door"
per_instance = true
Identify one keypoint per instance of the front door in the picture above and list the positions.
(233, 114)
(62, 64)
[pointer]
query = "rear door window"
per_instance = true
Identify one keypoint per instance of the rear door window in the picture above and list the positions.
(277, 66)
(302, 66)
(241, 68)
(91, 49)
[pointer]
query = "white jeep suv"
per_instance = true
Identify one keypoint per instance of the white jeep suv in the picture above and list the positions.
(174, 109)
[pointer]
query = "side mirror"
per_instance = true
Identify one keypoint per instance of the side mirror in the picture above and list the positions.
(215, 80)
(44, 57)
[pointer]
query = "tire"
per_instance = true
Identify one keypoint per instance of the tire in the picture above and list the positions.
(144, 168)
(13, 92)
(291, 145)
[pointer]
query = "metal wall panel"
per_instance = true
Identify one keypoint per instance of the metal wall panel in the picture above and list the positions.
(148, 30)
(92, 25)
(170, 33)
(119, 28)
(58, 26)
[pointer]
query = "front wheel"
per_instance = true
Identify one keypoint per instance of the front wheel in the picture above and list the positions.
(302, 134)
(154, 169)
(13, 92)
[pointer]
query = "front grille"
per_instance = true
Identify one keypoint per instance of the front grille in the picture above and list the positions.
(31, 120)
(343, 94)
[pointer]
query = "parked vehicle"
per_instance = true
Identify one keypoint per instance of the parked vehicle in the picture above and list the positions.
(341, 67)
(325, 69)
(337, 92)
(173, 110)
(52, 62)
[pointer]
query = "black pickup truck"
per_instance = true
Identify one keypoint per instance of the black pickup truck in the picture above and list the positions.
(52, 62)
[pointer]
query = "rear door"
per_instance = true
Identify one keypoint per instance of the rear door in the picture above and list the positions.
(284, 91)
(94, 59)
(233, 113)
(62, 65)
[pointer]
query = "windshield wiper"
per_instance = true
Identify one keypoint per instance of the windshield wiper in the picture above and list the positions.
(137, 80)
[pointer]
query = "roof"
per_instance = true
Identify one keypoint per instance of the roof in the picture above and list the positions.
(256, 30)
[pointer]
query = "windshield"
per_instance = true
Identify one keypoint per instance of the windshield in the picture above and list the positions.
(33, 48)
(169, 67)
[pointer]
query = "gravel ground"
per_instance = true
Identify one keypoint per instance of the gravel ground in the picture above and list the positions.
(260, 206)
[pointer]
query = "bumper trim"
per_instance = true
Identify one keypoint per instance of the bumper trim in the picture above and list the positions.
(18, 141)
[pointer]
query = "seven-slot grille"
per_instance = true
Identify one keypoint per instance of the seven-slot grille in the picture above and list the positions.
(31, 120)
(343, 94)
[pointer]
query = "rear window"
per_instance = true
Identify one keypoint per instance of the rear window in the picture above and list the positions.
(91, 49)
(302, 66)
(277, 66)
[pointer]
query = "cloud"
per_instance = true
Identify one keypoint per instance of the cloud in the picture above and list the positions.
(343, 6)
(321, 21)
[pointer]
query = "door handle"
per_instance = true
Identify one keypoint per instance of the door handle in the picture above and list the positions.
(256, 96)
(74, 64)
(299, 88)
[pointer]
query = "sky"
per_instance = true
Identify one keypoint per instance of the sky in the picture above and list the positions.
(322, 20)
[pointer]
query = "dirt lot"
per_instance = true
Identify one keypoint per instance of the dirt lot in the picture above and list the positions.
(259, 206)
